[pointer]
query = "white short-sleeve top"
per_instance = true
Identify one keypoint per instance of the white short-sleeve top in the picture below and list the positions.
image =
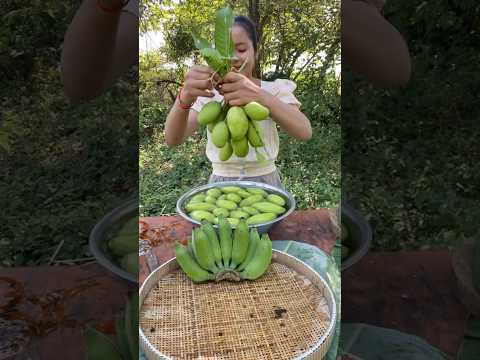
(249, 166)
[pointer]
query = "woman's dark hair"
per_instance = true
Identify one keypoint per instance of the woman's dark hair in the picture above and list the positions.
(249, 28)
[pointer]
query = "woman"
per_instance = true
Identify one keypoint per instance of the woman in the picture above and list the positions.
(237, 89)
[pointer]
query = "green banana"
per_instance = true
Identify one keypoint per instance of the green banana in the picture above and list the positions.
(190, 247)
(214, 243)
(225, 234)
(260, 261)
(240, 244)
(203, 251)
(252, 246)
(189, 266)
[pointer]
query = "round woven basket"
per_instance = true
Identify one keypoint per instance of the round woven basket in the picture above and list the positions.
(288, 313)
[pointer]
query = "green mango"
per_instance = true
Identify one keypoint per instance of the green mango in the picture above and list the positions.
(234, 197)
(211, 126)
(238, 214)
(253, 136)
(198, 198)
(209, 112)
(243, 193)
(250, 210)
(225, 152)
(210, 200)
(237, 123)
(240, 148)
(256, 111)
(221, 211)
(124, 244)
(220, 134)
(129, 263)
(276, 199)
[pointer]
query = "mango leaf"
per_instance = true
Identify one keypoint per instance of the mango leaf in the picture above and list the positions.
(199, 42)
(214, 60)
(223, 25)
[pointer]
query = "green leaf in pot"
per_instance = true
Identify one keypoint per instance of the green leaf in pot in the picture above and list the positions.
(100, 346)
(129, 263)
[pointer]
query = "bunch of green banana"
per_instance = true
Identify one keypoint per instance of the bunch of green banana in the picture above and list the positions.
(124, 346)
(229, 255)
(234, 129)
(255, 205)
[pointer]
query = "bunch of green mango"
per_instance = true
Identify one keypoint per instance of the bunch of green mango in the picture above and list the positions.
(255, 205)
(124, 246)
(234, 129)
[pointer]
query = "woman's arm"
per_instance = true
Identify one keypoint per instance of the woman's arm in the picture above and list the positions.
(372, 46)
(180, 124)
(98, 47)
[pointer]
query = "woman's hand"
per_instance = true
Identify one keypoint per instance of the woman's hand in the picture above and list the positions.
(238, 90)
(198, 81)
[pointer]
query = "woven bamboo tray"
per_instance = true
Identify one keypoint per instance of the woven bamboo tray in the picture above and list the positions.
(288, 313)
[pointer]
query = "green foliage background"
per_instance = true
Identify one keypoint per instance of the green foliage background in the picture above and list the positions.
(423, 188)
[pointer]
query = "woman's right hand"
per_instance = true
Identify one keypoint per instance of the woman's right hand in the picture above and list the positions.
(197, 83)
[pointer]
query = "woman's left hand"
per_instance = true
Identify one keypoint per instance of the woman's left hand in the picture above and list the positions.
(238, 90)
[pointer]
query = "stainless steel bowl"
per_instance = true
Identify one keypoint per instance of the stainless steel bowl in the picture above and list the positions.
(101, 232)
(262, 228)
